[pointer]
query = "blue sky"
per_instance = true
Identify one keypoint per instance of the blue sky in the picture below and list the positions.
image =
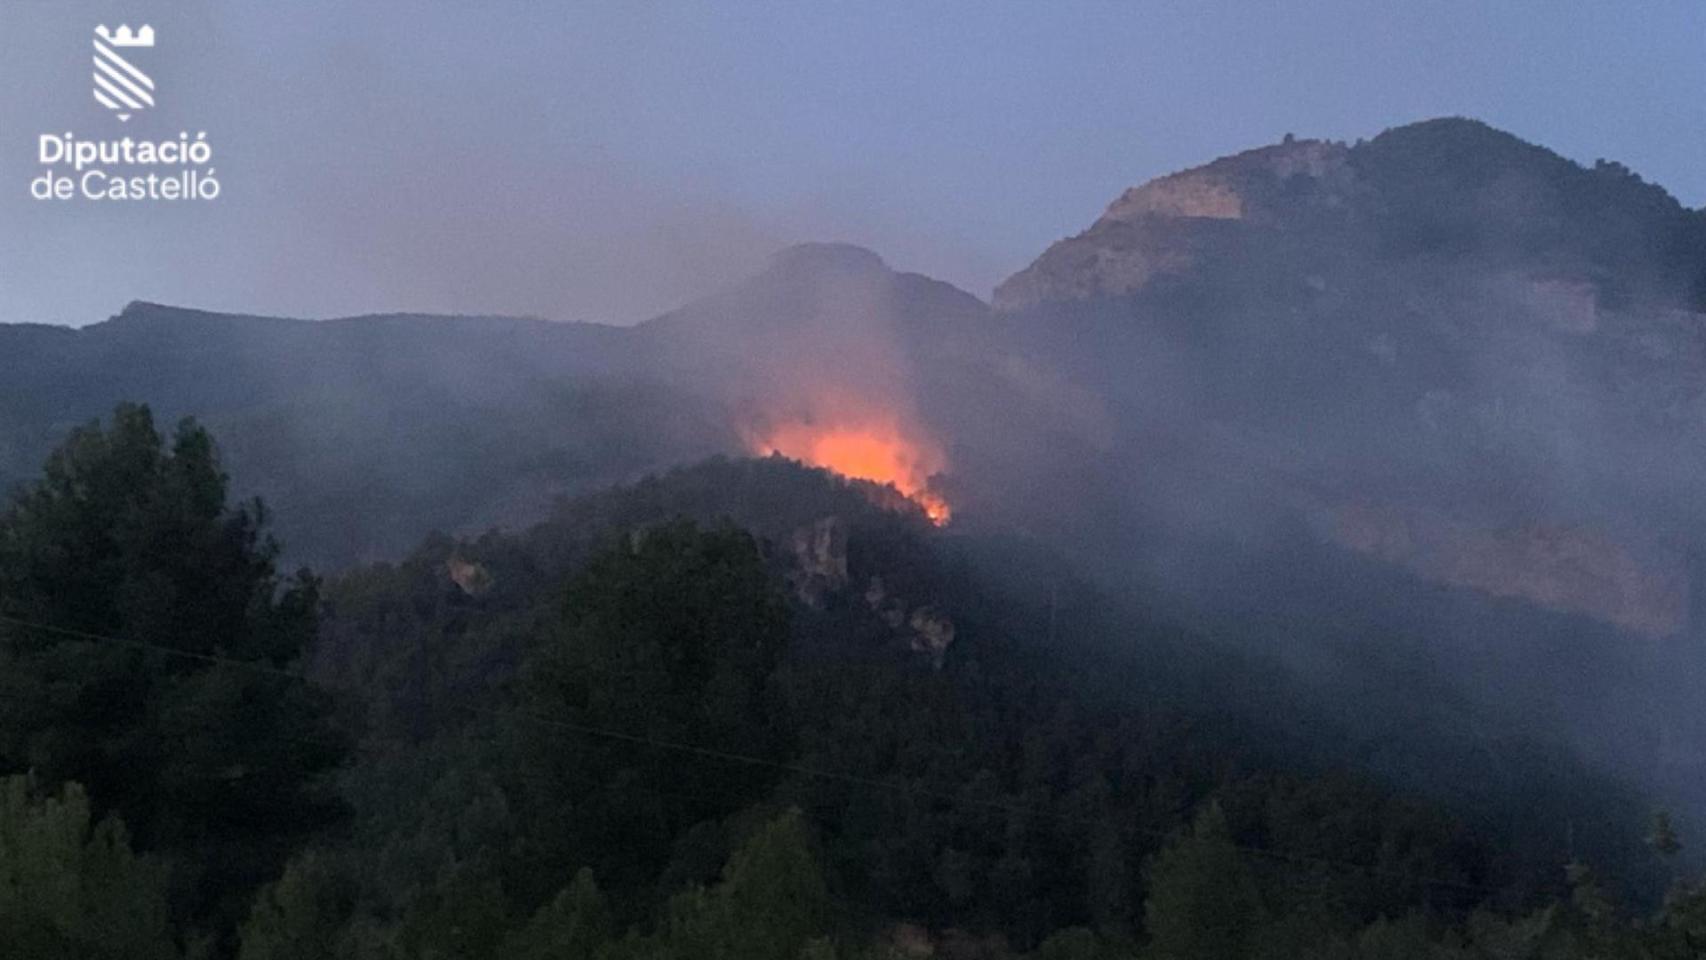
(606, 161)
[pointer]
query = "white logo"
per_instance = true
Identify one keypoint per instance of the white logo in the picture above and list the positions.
(119, 86)
(124, 168)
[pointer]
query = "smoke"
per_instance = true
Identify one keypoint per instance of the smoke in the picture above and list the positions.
(378, 160)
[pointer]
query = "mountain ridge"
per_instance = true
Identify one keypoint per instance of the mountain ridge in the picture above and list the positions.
(1439, 179)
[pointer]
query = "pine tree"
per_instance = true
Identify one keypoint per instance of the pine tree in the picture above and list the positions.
(71, 889)
(144, 630)
(299, 915)
(772, 903)
(575, 925)
(1203, 900)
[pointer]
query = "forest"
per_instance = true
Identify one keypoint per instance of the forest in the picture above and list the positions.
(741, 709)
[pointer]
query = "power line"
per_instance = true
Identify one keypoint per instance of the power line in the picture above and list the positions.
(143, 645)
(733, 758)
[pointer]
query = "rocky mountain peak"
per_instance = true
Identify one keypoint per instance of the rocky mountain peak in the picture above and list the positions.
(1168, 225)
(1444, 188)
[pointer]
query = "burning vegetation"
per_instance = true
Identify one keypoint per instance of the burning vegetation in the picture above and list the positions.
(881, 451)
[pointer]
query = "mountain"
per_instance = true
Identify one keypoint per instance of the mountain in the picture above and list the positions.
(1443, 388)
(810, 292)
(1010, 705)
(1444, 346)
(826, 332)
(363, 433)
(1448, 188)
(1420, 413)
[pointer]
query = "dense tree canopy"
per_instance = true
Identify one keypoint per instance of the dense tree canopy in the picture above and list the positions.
(71, 887)
(142, 654)
(671, 724)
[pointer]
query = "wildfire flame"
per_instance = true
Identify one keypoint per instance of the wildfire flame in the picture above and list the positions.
(877, 451)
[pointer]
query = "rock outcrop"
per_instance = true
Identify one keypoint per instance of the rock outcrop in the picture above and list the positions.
(1167, 225)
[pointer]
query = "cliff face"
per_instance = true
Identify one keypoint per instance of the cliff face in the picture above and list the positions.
(1166, 226)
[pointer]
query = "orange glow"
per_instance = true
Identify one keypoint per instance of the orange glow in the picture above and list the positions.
(878, 452)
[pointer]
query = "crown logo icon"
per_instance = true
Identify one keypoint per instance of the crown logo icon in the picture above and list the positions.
(122, 37)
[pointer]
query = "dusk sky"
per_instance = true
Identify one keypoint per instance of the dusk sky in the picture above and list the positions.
(609, 161)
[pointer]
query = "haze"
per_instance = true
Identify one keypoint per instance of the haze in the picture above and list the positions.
(610, 161)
